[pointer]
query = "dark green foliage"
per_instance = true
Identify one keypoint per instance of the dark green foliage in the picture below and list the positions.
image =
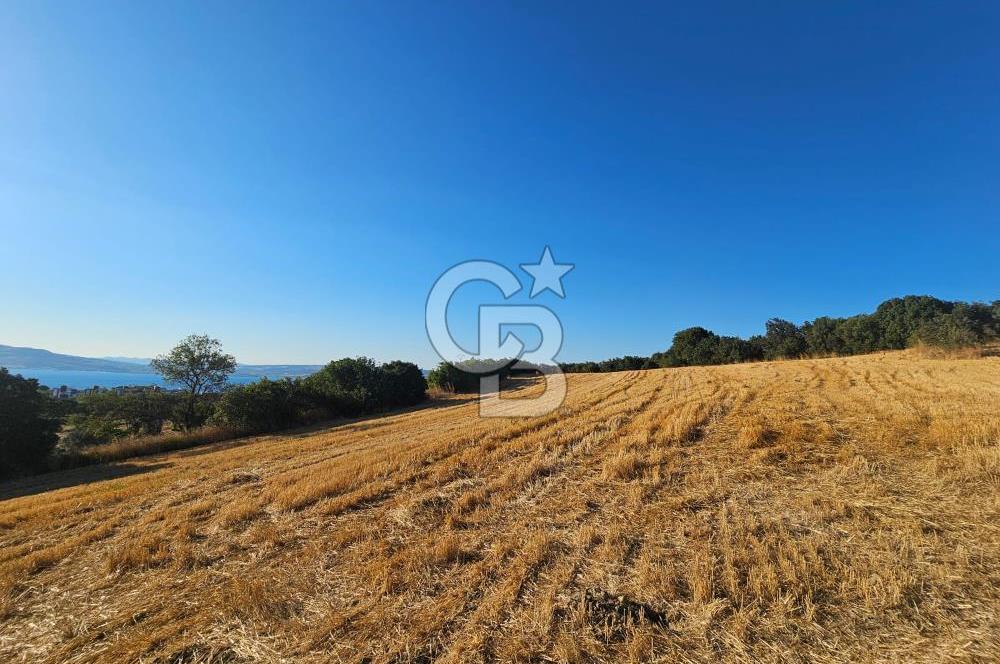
(198, 364)
(403, 384)
(104, 416)
(580, 367)
(861, 334)
(783, 339)
(897, 323)
(356, 386)
(692, 346)
(626, 363)
(964, 325)
(897, 319)
(823, 337)
(731, 350)
(945, 332)
(265, 405)
(696, 346)
(446, 376)
(346, 387)
(27, 426)
(464, 377)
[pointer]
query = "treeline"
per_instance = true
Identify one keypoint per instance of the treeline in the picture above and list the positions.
(625, 363)
(464, 377)
(30, 420)
(343, 388)
(896, 324)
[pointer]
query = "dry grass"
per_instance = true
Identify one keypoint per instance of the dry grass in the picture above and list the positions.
(816, 510)
(128, 448)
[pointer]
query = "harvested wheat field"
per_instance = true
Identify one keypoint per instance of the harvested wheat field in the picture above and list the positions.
(820, 510)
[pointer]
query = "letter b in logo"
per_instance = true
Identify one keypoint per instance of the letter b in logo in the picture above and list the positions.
(494, 344)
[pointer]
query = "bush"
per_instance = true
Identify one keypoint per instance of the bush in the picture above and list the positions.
(783, 339)
(105, 416)
(580, 367)
(265, 405)
(346, 387)
(27, 427)
(403, 384)
(357, 386)
(823, 337)
(626, 363)
(464, 377)
(696, 346)
(897, 319)
(861, 334)
(946, 331)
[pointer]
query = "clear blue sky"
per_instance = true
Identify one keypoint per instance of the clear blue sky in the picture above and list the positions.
(292, 177)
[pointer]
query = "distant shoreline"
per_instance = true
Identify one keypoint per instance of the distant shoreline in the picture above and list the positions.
(80, 380)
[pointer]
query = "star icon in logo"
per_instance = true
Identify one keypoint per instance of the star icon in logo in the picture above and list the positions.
(547, 274)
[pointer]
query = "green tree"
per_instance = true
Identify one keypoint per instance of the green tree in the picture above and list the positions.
(692, 346)
(403, 384)
(264, 405)
(349, 386)
(27, 427)
(464, 377)
(823, 336)
(784, 339)
(946, 331)
(729, 350)
(198, 364)
(105, 416)
(900, 317)
(861, 334)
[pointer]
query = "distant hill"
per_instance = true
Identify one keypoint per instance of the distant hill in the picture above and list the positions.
(277, 370)
(130, 360)
(14, 357)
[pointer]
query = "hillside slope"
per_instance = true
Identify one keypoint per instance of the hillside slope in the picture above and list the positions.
(840, 509)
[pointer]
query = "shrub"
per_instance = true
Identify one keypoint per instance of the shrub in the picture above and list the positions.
(580, 367)
(349, 386)
(356, 386)
(265, 405)
(823, 337)
(403, 384)
(105, 416)
(897, 319)
(464, 377)
(783, 339)
(446, 376)
(946, 331)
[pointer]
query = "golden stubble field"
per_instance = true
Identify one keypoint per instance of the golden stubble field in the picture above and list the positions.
(816, 510)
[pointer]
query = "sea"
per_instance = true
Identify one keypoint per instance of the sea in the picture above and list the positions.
(83, 379)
